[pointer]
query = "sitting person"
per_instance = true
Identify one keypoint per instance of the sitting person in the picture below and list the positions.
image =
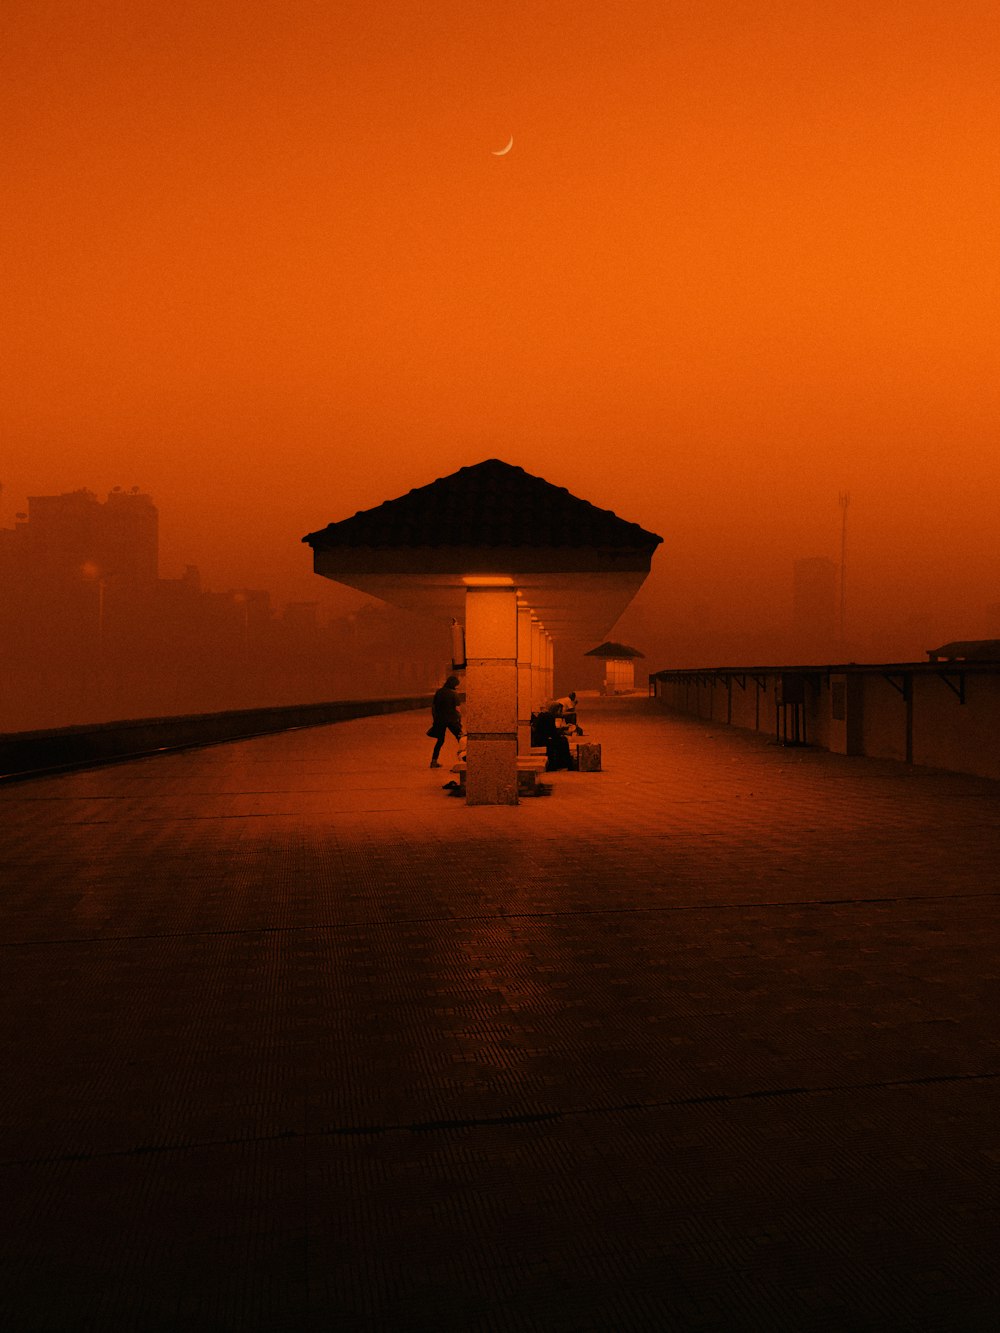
(566, 709)
(545, 730)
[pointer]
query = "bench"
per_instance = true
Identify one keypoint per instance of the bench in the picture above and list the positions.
(528, 769)
(584, 753)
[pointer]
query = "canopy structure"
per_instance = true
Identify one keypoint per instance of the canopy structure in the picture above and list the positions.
(520, 562)
(619, 668)
(967, 650)
(616, 650)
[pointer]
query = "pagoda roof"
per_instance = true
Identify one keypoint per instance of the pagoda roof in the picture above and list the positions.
(617, 650)
(490, 504)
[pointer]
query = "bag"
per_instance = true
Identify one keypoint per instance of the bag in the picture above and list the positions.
(589, 757)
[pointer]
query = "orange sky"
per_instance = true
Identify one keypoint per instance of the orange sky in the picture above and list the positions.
(261, 261)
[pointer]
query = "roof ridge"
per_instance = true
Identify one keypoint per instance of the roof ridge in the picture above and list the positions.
(489, 503)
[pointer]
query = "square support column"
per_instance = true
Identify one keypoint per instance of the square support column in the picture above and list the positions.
(536, 664)
(548, 674)
(524, 682)
(491, 695)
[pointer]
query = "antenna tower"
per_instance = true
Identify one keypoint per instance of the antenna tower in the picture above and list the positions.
(844, 500)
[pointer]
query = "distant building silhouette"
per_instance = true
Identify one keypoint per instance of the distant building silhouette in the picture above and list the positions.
(75, 535)
(88, 631)
(130, 536)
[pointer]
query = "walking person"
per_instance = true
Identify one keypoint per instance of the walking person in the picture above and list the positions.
(445, 716)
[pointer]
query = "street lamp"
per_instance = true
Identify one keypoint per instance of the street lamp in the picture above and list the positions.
(91, 570)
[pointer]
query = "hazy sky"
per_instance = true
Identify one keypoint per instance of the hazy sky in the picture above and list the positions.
(261, 261)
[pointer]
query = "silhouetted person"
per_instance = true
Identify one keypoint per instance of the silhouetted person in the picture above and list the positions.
(566, 708)
(545, 730)
(446, 716)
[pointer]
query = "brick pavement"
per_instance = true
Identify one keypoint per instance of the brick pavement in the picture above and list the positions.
(705, 1041)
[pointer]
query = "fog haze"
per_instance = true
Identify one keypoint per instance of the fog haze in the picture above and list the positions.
(741, 258)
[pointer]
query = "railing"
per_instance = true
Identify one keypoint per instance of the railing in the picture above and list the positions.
(937, 714)
(31, 753)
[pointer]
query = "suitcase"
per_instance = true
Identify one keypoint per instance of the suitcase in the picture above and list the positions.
(588, 754)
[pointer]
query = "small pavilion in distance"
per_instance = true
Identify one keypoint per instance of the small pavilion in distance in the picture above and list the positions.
(522, 564)
(619, 666)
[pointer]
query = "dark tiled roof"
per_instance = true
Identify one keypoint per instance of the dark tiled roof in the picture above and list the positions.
(489, 504)
(614, 650)
(972, 650)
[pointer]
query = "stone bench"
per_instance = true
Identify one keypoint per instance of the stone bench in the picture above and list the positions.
(582, 750)
(529, 768)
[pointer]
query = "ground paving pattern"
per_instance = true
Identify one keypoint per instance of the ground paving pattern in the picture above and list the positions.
(705, 1041)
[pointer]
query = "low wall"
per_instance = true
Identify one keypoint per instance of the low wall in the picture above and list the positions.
(25, 753)
(941, 715)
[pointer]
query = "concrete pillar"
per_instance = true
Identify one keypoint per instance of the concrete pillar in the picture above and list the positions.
(549, 673)
(491, 695)
(524, 678)
(536, 664)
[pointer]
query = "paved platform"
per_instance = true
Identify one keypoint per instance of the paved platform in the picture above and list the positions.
(293, 1040)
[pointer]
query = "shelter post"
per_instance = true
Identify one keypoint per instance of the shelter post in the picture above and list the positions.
(477, 539)
(491, 694)
(524, 682)
(536, 664)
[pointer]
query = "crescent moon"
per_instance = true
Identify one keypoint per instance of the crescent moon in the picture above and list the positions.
(499, 152)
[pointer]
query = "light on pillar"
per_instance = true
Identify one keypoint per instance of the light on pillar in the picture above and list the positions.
(491, 712)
